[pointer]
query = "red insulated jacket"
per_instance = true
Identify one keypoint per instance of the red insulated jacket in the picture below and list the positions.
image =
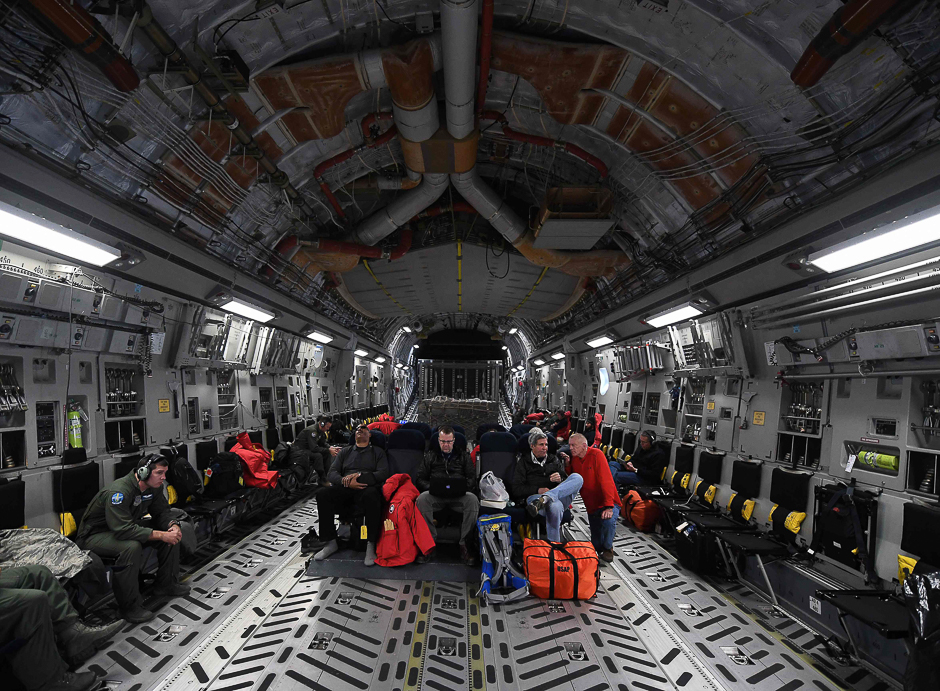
(564, 427)
(598, 418)
(255, 463)
(386, 427)
(405, 530)
(598, 490)
(534, 417)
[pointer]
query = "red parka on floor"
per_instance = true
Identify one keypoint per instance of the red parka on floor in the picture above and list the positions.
(405, 531)
(598, 491)
(534, 417)
(255, 463)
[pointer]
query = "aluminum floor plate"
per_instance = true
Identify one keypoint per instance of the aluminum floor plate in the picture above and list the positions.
(255, 620)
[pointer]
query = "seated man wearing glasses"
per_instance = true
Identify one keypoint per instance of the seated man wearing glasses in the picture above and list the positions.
(447, 478)
(356, 477)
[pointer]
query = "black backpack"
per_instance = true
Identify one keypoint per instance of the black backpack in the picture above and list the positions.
(280, 460)
(224, 473)
(184, 478)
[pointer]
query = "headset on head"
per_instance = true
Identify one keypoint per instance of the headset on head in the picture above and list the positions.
(143, 471)
(649, 434)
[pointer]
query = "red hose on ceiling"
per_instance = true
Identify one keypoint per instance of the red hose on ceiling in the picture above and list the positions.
(847, 27)
(536, 140)
(324, 166)
(77, 28)
(486, 50)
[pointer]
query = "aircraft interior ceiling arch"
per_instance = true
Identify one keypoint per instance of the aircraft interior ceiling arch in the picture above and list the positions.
(252, 252)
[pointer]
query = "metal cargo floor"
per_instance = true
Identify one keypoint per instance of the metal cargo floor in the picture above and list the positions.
(255, 620)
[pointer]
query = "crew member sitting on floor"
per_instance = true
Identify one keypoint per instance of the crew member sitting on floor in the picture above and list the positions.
(314, 442)
(356, 478)
(447, 478)
(541, 483)
(114, 526)
(644, 467)
(599, 494)
(35, 612)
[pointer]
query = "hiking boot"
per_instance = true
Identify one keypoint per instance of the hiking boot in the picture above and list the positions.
(80, 641)
(536, 505)
(607, 555)
(137, 614)
(465, 556)
(172, 589)
(311, 542)
(425, 558)
(70, 681)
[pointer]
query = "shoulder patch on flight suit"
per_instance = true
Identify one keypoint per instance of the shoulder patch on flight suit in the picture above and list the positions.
(117, 498)
(137, 501)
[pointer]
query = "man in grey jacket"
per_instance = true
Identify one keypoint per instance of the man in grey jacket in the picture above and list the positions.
(541, 483)
(356, 477)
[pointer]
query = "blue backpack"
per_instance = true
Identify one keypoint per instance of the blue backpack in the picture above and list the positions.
(499, 573)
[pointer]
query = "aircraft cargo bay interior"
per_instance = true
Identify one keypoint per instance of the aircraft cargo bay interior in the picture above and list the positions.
(460, 344)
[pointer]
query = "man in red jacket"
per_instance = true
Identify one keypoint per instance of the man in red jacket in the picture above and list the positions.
(599, 494)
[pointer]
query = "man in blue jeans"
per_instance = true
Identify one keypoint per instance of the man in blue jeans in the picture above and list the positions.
(540, 481)
(599, 494)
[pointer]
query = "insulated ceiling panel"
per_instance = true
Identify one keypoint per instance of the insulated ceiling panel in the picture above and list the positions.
(426, 282)
(583, 234)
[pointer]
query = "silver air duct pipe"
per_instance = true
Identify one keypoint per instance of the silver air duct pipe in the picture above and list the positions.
(489, 205)
(382, 224)
(459, 40)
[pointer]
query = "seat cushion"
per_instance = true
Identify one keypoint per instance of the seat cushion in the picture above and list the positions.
(713, 522)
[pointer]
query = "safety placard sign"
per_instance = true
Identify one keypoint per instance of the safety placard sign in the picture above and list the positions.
(758, 417)
(711, 405)
(163, 405)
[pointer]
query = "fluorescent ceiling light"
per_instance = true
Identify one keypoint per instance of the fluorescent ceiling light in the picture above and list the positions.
(407, 329)
(361, 353)
(380, 359)
(505, 347)
(879, 244)
(25, 227)
(247, 310)
(558, 356)
(513, 330)
(600, 341)
(415, 346)
(538, 362)
(319, 337)
(675, 314)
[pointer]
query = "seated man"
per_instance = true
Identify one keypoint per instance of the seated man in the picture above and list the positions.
(35, 612)
(114, 526)
(443, 461)
(599, 494)
(356, 478)
(644, 467)
(313, 441)
(561, 426)
(541, 483)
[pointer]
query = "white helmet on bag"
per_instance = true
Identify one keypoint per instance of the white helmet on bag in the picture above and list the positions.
(493, 492)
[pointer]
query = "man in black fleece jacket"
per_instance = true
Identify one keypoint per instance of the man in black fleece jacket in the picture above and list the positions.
(356, 477)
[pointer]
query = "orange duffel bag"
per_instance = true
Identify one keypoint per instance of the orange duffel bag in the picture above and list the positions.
(642, 514)
(559, 571)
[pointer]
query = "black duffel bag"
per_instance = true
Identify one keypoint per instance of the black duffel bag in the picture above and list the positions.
(223, 476)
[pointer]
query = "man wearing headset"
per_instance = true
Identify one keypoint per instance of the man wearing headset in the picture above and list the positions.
(114, 526)
(644, 467)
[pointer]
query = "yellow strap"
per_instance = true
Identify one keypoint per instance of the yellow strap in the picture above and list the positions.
(905, 567)
(710, 494)
(67, 522)
(171, 496)
(731, 500)
(747, 510)
(685, 480)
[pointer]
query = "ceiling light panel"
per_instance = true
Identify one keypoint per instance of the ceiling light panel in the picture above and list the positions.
(879, 244)
(558, 356)
(319, 337)
(361, 353)
(21, 226)
(247, 310)
(675, 315)
(600, 341)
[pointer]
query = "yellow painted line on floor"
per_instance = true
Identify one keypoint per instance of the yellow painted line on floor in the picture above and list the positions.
(382, 286)
(531, 290)
(475, 649)
(419, 641)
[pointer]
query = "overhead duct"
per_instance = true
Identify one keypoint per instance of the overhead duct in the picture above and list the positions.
(385, 222)
(489, 205)
(459, 41)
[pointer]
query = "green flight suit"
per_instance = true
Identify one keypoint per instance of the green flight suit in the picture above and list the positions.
(33, 608)
(114, 526)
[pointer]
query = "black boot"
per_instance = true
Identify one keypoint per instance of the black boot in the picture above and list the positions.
(80, 641)
(311, 542)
